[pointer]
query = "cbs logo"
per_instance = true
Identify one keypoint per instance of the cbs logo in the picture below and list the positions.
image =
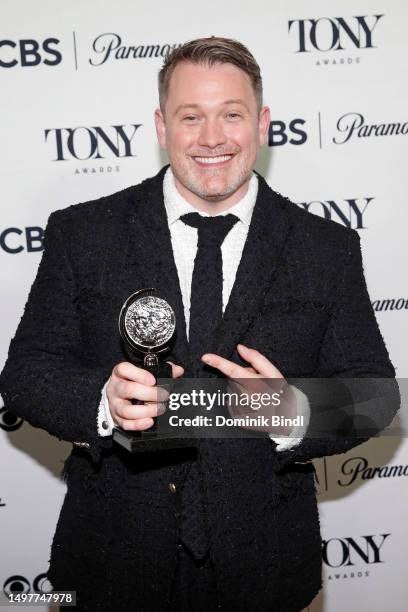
(281, 133)
(14, 240)
(8, 420)
(20, 584)
(28, 52)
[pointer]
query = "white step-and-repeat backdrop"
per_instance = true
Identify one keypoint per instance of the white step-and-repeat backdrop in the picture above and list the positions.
(78, 83)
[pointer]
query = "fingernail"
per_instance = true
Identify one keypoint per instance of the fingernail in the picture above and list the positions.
(206, 359)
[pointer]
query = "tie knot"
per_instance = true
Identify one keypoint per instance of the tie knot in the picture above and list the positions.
(210, 229)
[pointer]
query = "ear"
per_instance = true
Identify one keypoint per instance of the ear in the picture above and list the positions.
(264, 120)
(160, 127)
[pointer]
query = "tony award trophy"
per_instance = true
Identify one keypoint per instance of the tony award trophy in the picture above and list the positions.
(147, 324)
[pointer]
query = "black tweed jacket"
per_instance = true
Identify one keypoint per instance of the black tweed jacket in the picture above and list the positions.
(300, 298)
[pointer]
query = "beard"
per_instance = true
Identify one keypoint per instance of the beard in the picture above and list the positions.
(213, 185)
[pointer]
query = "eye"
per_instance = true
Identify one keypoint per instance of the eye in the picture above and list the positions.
(233, 115)
(189, 118)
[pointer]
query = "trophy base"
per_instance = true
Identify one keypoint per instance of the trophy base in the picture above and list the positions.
(148, 441)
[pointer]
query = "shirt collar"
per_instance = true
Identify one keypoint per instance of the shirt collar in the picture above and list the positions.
(176, 205)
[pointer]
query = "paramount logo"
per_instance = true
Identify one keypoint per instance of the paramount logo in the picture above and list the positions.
(110, 46)
(390, 304)
(357, 468)
(354, 125)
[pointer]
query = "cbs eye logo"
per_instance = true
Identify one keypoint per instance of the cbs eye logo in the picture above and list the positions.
(8, 420)
(20, 584)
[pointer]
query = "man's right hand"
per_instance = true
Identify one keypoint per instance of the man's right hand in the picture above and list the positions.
(129, 382)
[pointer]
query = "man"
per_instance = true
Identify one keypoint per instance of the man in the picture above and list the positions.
(232, 524)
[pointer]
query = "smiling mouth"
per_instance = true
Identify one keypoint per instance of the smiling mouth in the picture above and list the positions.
(215, 160)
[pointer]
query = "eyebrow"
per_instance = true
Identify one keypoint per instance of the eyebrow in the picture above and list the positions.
(232, 101)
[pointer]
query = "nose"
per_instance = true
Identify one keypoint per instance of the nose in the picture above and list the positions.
(211, 134)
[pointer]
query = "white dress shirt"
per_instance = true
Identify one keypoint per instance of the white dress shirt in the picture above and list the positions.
(184, 244)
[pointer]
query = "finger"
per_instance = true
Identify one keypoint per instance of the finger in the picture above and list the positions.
(129, 371)
(133, 390)
(229, 368)
(259, 362)
(176, 370)
(141, 411)
(135, 425)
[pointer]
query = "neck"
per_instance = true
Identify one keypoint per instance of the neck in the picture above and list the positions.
(212, 206)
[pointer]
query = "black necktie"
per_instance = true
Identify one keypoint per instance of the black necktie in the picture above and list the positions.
(205, 315)
(207, 281)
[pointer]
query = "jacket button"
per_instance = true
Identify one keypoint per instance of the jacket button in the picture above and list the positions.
(172, 487)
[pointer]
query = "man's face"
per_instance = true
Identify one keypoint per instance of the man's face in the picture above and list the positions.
(212, 131)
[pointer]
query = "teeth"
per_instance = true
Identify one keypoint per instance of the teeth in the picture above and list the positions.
(213, 160)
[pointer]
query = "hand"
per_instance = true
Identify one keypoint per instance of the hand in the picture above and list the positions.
(260, 377)
(127, 383)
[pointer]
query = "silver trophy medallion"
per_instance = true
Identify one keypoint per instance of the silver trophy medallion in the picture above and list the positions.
(147, 323)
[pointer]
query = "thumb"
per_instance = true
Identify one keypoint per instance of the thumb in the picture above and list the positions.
(176, 370)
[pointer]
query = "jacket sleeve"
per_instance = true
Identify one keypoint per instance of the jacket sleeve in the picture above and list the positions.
(356, 394)
(45, 380)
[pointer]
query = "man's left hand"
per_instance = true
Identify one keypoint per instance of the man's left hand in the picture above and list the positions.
(258, 378)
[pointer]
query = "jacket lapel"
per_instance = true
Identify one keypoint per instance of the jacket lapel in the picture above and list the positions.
(152, 249)
(267, 235)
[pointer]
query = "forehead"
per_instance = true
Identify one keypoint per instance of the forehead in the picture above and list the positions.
(202, 85)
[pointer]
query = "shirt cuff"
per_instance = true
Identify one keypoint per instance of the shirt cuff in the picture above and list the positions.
(105, 420)
(298, 432)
